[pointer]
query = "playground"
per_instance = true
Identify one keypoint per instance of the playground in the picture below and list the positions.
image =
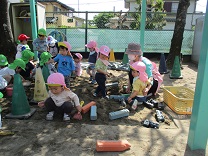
(36, 136)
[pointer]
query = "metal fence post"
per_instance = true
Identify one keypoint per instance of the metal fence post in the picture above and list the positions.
(86, 27)
(143, 22)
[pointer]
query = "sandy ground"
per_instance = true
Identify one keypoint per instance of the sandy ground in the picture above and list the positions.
(36, 136)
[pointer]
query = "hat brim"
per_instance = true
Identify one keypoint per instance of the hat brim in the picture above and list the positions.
(129, 52)
(3, 64)
(14, 66)
(53, 85)
(1, 95)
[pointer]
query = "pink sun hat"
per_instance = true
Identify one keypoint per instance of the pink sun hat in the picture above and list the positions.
(105, 50)
(141, 67)
(79, 55)
(56, 79)
(65, 44)
(92, 44)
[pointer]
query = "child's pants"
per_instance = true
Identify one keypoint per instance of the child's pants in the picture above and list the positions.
(90, 68)
(100, 79)
(67, 80)
(66, 107)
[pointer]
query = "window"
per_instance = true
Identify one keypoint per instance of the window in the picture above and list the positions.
(174, 7)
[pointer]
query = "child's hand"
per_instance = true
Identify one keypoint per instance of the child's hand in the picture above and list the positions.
(41, 104)
(129, 99)
(79, 108)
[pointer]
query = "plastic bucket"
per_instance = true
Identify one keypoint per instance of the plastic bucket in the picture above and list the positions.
(9, 91)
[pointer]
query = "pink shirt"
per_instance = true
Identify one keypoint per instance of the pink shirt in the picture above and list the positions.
(78, 69)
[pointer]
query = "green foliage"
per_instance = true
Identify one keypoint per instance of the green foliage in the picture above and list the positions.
(101, 19)
(154, 20)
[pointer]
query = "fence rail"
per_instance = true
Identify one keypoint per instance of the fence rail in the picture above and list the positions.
(79, 30)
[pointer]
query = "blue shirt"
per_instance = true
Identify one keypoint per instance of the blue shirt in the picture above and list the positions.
(65, 64)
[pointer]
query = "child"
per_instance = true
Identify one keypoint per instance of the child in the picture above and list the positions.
(101, 68)
(7, 73)
(44, 58)
(52, 46)
(92, 46)
(40, 43)
(65, 61)
(60, 99)
(22, 45)
(140, 81)
(3, 61)
(77, 60)
(27, 57)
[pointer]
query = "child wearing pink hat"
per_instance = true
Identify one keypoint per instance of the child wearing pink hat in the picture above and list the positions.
(65, 61)
(61, 99)
(140, 81)
(92, 46)
(101, 71)
(77, 61)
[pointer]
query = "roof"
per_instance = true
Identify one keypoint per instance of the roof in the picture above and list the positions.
(62, 4)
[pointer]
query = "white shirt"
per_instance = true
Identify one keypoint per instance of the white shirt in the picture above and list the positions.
(7, 71)
(66, 95)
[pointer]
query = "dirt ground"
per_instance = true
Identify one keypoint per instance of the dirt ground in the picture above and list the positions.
(36, 136)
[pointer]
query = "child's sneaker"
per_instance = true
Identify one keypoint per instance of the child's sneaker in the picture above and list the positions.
(94, 94)
(90, 78)
(66, 117)
(93, 82)
(49, 116)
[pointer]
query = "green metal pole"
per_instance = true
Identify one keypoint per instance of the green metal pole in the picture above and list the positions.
(198, 130)
(143, 22)
(33, 24)
(86, 27)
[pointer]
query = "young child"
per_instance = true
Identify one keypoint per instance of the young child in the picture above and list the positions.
(101, 71)
(44, 58)
(140, 81)
(92, 46)
(40, 43)
(65, 61)
(52, 46)
(22, 45)
(3, 61)
(27, 57)
(60, 99)
(77, 61)
(7, 73)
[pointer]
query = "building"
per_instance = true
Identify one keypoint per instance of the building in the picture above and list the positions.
(59, 14)
(170, 7)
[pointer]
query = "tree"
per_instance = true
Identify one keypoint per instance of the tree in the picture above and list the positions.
(176, 42)
(7, 45)
(154, 19)
(101, 19)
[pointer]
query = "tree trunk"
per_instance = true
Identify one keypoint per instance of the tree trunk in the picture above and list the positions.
(176, 42)
(7, 45)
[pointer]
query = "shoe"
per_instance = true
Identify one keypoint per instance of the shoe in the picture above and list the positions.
(93, 82)
(123, 102)
(49, 116)
(105, 98)
(154, 102)
(94, 94)
(148, 104)
(66, 117)
(90, 78)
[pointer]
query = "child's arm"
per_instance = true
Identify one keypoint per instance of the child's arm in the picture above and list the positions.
(103, 72)
(75, 98)
(133, 94)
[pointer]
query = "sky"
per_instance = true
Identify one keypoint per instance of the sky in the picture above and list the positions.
(110, 5)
